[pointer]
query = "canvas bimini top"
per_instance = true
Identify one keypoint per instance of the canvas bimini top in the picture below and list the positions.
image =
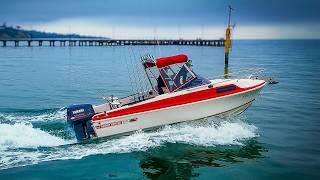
(175, 72)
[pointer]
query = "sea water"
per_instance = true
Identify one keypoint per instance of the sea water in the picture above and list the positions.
(276, 138)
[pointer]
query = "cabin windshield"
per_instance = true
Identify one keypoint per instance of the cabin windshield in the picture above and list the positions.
(176, 76)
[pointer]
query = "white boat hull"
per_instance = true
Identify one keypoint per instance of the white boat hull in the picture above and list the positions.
(219, 106)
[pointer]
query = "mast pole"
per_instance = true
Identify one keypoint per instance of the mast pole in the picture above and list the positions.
(230, 8)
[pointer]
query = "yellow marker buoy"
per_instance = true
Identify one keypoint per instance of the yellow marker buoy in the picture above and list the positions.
(227, 45)
(228, 39)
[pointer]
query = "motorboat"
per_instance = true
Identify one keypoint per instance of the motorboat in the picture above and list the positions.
(177, 94)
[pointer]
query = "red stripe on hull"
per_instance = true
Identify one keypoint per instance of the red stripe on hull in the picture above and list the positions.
(173, 101)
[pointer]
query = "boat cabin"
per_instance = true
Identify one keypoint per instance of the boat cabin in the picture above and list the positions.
(172, 73)
(165, 75)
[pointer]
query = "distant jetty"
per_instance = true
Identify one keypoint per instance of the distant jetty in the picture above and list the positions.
(51, 42)
(17, 37)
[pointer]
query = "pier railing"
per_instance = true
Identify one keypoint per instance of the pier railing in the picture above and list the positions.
(106, 42)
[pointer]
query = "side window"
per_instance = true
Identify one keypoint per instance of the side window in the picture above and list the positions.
(226, 89)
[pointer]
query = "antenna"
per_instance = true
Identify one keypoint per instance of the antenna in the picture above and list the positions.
(156, 38)
(229, 19)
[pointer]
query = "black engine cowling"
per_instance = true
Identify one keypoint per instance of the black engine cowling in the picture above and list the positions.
(79, 116)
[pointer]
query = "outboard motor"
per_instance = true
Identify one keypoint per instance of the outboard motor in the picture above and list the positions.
(79, 116)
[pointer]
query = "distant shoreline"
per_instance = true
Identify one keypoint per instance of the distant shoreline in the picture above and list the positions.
(18, 33)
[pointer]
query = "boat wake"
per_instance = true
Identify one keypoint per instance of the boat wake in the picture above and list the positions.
(23, 135)
(25, 141)
(33, 115)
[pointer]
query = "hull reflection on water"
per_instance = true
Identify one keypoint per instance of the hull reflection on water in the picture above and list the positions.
(180, 161)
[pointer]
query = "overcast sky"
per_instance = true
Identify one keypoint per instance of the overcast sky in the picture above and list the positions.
(167, 18)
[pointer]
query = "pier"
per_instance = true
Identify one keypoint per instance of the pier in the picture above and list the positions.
(106, 42)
